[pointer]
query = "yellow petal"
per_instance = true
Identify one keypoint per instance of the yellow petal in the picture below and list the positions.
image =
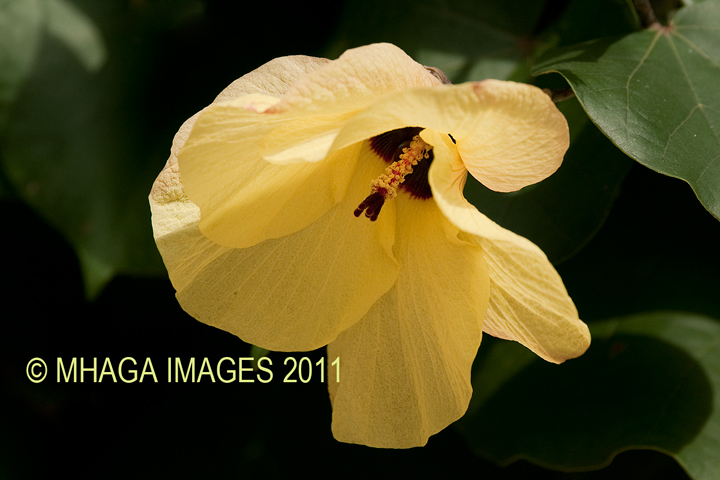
(273, 78)
(293, 293)
(521, 140)
(259, 90)
(244, 199)
(405, 367)
(322, 101)
(303, 138)
(508, 134)
(528, 301)
(358, 78)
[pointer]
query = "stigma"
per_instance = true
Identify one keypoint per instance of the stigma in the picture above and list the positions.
(386, 185)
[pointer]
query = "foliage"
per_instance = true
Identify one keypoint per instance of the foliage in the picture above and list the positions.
(91, 94)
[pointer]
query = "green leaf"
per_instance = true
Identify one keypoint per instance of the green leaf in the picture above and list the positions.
(257, 353)
(78, 148)
(563, 212)
(77, 31)
(20, 32)
(466, 39)
(96, 271)
(649, 381)
(655, 95)
(21, 28)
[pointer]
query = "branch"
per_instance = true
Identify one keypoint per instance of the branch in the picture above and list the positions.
(645, 12)
(559, 95)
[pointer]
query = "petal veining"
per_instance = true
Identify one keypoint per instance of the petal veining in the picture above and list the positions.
(292, 293)
(509, 135)
(244, 199)
(322, 101)
(273, 78)
(358, 78)
(406, 365)
(528, 301)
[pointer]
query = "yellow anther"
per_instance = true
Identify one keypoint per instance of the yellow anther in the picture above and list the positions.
(387, 183)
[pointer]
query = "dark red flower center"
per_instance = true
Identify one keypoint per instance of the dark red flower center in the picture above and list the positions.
(409, 158)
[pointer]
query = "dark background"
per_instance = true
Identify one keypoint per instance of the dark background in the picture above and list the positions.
(656, 250)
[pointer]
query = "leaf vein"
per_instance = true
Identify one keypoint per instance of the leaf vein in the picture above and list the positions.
(697, 49)
(706, 167)
(667, 144)
(692, 89)
(694, 27)
(627, 85)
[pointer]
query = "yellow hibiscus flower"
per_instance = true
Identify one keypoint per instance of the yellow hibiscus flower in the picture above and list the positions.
(320, 202)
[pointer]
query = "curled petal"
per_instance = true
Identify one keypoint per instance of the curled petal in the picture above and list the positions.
(301, 139)
(520, 140)
(292, 293)
(528, 301)
(273, 78)
(509, 135)
(358, 78)
(241, 181)
(322, 101)
(244, 199)
(405, 367)
(269, 80)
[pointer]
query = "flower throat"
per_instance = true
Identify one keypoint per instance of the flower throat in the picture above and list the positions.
(403, 149)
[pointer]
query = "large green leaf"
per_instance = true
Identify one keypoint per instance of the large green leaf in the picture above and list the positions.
(650, 381)
(561, 213)
(21, 28)
(79, 148)
(655, 95)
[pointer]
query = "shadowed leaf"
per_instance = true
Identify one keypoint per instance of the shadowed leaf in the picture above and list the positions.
(655, 95)
(649, 381)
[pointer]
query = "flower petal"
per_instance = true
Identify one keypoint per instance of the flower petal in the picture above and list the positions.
(405, 367)
(358, 78)
(521, 139)
(509, 135)
(325, 99)
(303, 138)
(273, 78)
(244, 199)
(259, 90)
(292, 293)
(528, 301)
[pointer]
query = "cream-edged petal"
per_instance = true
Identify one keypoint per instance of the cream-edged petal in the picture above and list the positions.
(522, 138)
(405, 367)
(529, 304)
(292, 293)
(244, 199)
(324, 100)
(259, 90)
(358, 78)
(273, 78)
(509, 135)
(528, 301)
